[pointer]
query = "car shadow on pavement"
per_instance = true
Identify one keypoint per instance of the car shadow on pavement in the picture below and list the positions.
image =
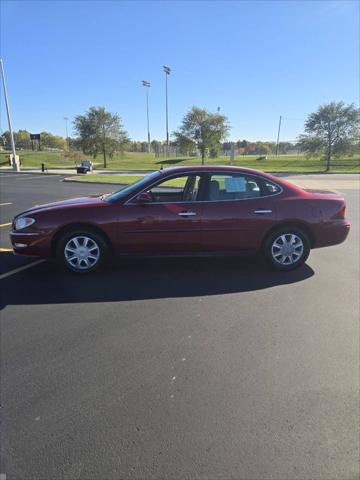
(173, 161)
(145, 278)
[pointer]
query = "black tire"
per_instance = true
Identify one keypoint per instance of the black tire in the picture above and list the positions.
(97, 247)
(274, 253)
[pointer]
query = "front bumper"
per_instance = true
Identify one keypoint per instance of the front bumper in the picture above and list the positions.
(31, 243)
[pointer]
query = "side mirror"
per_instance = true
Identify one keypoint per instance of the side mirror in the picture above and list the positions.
(143, 197)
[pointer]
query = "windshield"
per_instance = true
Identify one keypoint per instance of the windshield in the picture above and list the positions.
(123, 192)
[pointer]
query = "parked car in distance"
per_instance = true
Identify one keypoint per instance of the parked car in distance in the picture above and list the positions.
(86, 166)
(186, 210)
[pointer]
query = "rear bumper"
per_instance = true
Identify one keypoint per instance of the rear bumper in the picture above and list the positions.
(31, 243)
(331, 233)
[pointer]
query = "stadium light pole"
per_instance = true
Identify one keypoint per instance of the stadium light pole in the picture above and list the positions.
(67, 135)
(167, 71)
(15, 163)
(278, 137)
(147, 85)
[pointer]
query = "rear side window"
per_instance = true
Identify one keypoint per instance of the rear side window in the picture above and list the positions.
(271, 188)
(233, 187)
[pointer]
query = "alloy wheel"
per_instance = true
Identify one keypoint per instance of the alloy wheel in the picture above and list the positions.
(287, 249)
(82, 252)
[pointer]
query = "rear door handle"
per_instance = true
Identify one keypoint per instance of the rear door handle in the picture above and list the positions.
(186, 214)
(259, 212)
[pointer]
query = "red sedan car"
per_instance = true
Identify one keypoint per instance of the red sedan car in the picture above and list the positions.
(186, 210)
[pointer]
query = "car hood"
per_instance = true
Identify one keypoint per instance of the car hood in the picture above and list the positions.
(91, 200)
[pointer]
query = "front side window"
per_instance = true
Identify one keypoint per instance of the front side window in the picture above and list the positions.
(184, 188)
(233, 186)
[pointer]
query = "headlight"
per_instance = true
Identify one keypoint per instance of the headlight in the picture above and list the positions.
(23, 222)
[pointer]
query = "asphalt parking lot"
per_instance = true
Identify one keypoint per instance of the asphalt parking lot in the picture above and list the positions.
(179, 368)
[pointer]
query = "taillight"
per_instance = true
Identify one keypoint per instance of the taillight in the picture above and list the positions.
(340, 214)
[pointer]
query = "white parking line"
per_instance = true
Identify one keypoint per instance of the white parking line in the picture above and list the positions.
(5, 224)
(20, 269)
(3, 204)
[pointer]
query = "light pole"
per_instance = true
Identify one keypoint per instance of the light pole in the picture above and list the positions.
(67, 135)
(167, 71)
(278, 137)
(147, 85)
(15, 163)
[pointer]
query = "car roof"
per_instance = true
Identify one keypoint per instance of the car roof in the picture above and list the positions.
(217, 168)
(210, 168)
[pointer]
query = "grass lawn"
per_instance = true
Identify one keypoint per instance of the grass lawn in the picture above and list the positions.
(35, 159)
(147, 161)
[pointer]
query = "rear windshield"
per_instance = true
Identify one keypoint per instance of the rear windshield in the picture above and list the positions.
(129, 189)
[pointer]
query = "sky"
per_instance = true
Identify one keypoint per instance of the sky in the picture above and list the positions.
(255, 60)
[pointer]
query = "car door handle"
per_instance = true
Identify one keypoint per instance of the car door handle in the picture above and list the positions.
(186, 214)
(259, 212)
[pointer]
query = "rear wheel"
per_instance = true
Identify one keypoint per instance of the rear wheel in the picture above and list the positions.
(287, 248)
(81, 251)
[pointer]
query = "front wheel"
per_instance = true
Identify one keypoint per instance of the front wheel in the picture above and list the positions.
(81, 251)
(287, 248)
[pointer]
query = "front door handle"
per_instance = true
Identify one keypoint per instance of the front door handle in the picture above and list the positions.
(261, 211)
(186, 214)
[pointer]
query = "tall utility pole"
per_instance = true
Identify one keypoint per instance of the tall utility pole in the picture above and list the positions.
(15, 163)
(167, 71)
(67, 135)
(278, 136)
(147, 85)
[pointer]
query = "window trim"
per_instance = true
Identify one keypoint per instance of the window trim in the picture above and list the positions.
(221, 172)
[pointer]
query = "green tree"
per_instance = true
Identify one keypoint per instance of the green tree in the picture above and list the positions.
(6, 139)
(330, 130)
(284, 147)
(185, 144)
(262, 148)
(101, 132)
(21, 139)
(49, 140)
(156, 147)
(204, 130)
